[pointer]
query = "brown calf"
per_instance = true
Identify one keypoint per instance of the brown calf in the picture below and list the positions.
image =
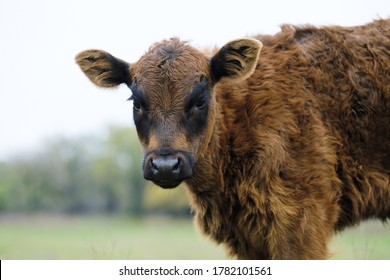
(278, 150)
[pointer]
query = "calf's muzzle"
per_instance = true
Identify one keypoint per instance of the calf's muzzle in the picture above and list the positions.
(168, 169)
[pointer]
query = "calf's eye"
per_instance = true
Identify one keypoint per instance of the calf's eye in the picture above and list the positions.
(136, 105)
(201, 103)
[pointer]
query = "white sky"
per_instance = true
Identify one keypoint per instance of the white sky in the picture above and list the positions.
(43, 93)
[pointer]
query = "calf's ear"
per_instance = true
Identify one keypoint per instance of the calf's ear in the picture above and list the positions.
(236, 60)
(103, 69)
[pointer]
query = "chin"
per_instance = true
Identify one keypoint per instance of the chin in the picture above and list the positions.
(168, 184)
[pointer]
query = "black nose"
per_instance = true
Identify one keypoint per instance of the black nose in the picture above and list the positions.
(165, 167)
(168, 170)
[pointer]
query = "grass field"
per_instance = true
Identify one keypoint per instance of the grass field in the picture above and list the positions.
(56, 237)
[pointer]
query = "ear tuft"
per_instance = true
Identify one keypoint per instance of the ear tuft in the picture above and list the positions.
(103, 69)
(236, 60)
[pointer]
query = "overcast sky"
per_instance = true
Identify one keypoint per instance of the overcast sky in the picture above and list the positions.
(43, 93)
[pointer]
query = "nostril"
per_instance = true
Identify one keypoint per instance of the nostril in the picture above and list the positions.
(176, 166)
(153, 166)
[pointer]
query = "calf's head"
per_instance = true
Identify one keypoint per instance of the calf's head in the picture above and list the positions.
(174, 106)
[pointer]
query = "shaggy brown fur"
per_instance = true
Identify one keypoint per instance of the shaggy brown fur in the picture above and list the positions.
(286, 157)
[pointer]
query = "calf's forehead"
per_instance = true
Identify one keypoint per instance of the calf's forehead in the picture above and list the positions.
(170, 65)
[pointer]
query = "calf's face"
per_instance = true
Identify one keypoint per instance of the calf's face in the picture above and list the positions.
(174, 107)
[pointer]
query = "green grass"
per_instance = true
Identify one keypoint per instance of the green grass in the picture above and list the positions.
(56, 237)
(369, 241)
(102, 238)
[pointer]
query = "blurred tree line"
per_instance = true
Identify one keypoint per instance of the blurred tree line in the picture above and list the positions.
(94, 174)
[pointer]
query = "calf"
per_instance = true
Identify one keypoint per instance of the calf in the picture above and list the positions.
(278, 149)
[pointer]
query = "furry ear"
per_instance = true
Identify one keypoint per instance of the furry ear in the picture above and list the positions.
(236, 60)
(103, 69)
